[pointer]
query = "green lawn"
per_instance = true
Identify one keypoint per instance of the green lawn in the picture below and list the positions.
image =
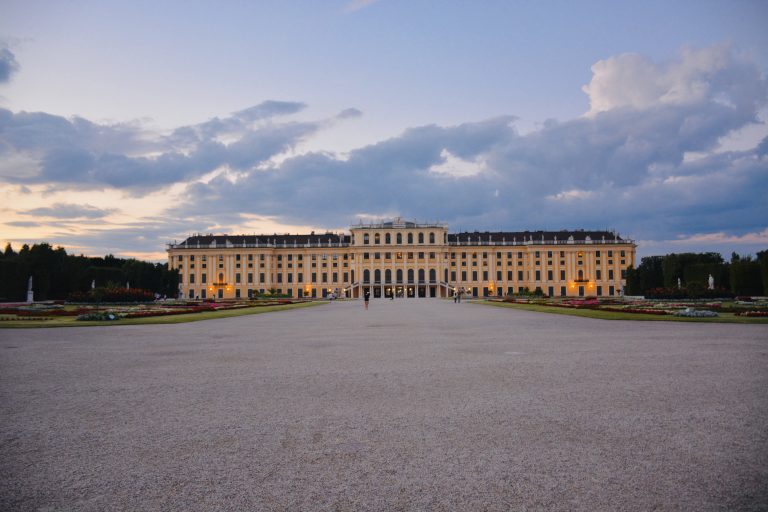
(728, 318)
(70, 321)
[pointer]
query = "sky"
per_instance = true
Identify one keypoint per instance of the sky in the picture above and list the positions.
(128, 125)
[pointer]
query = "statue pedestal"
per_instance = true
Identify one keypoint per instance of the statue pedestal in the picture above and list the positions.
(30, 296)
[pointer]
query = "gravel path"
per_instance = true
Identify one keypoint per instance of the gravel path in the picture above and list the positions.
(411, 405)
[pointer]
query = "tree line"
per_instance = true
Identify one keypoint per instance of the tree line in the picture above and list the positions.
(743, 275)
(56, 274)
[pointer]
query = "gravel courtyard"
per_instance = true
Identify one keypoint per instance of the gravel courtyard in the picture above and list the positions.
(411, 405)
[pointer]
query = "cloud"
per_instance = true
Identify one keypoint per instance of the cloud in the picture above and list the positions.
(696, 76)
(349, 113)
(70, 211)
(623, 167)
(356, 5)
(8, 65)
(78, 153)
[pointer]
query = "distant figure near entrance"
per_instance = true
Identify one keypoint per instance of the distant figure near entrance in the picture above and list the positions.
(367, 298)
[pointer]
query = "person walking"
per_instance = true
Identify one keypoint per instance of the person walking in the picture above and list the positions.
(366, 298)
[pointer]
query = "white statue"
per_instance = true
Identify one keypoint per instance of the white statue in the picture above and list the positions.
(93, 284)
(30, 293)
(678, 283)
(711, 282)
(128, 285)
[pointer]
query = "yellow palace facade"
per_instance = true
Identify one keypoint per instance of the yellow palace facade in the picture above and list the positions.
(404, 259)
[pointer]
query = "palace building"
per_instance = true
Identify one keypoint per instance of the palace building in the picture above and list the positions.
(407, 259)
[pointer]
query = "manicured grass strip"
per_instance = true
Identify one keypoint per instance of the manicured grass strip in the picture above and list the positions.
(724, 318)
(167, 319)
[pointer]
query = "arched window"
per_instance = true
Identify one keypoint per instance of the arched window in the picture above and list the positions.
(431, 238)
(387, 276)
(581, 275)
(421, 238)
(432, 275)
(221, 277)
(376, 239)
(352, 273)
(366, 276)
(387, 239)
(421, 275)
(399, 275)
(410, 238)
(399, 238)
(410, 275)
(365, 238)
(377, 276)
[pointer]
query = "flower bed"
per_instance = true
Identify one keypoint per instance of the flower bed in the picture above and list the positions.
(758, 314)
(694, 313)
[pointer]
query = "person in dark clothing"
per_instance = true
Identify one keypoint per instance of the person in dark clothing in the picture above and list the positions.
(367, 298)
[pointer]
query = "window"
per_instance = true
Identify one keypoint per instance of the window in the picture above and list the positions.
(549, 276)
(610, 274)
(538, 275)
(279, 277)
(519, 255)
(611, 291)
(562, 291)
(474, 275)
(387, 255)
(463, 275)
(599, 291)
(410, 238)
(314, 277)
(421, 255)
(399, 238)
(421, 275)
(421, 238)
(519, 275)
(549, 254)
(180, 257)
(376, 239)
(509, 275)
(299, 278)
(410, 275)
(237, 278)
(366, 276)
(598, 274)
(366, 256)
(562, 275)
(623, 273)
(346, 277)
(261, 277)
(453, 275)
(485, 275)
(432, 239)
(237, 257)
(324, 276)
(377, 255)
(191, 278)
(365, 239)
(498, 275)
(387, 238)
(610, 254)
(335, 277)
